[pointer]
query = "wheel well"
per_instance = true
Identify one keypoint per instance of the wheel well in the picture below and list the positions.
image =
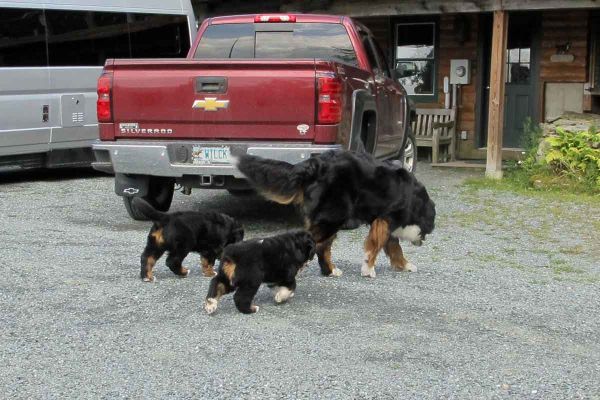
(368, 131)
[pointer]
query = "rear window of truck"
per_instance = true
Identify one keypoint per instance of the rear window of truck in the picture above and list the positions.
(277, 41)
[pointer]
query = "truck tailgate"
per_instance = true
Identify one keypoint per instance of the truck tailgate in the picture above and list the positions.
(265, 99)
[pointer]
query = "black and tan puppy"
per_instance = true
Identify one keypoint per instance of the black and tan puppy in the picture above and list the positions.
(179, 233)
(343, 190)
(245, 266)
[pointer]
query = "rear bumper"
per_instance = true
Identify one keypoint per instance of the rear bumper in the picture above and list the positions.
(168, 158)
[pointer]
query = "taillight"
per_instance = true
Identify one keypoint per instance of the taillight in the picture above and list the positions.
(329, 99)
(275, 18)
(103, 105)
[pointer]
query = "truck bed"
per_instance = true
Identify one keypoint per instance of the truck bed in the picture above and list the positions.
(241, 99)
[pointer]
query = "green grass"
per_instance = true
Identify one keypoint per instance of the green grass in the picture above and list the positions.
(552, 187)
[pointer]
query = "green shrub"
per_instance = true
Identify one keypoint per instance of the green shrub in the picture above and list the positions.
(567, 161)
(576, 155)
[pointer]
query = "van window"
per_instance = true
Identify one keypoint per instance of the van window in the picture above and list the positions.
(159, 36)
(86, 37)
(56, 38)
(22, 38)
(278, 41)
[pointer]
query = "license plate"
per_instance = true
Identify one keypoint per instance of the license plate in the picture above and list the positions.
(211, 155)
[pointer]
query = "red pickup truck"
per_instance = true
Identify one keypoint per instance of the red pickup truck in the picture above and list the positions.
(279, 86)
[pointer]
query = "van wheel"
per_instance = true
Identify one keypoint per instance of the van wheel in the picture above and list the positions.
(160, 196)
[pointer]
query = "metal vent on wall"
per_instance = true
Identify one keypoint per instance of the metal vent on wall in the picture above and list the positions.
(77, 118)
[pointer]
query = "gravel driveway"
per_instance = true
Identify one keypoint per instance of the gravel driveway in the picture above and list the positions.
(505, 304)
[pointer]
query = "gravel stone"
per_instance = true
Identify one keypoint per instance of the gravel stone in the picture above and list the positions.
(504, 304)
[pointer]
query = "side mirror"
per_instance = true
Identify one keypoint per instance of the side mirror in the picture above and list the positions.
(379, 76)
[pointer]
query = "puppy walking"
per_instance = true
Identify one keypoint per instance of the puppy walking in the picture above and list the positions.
(179, 233)
(245, 266)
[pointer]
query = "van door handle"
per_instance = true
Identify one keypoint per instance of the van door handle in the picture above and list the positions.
(211, 84)
(45, 113)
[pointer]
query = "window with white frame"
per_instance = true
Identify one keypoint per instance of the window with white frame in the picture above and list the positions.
(415, 54)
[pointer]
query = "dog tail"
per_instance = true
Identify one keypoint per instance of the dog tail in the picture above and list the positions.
(278, 181)
(146, 208)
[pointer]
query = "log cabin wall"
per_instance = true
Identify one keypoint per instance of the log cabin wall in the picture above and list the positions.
(461, 43)
(558, 29)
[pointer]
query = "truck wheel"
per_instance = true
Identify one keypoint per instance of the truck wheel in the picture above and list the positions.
(409, 153)
(160, 195)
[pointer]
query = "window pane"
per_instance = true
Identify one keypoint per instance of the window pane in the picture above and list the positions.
(22, 38)
(292, 41)
(415, 41)
(370, 52)
(416, 76)
(159, 36)
(518, 73)
(382, 60)
(525, 56)
(86, 37)
(274, 44)
(227, 41)
(324, 41)
(513, 55)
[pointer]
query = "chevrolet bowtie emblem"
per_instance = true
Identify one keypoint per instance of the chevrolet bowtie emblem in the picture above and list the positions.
(210, 104)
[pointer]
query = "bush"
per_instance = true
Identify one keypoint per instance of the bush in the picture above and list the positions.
(576, 155)
(567, 160)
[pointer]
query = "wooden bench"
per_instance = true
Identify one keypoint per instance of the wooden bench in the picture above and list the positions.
(435, 127)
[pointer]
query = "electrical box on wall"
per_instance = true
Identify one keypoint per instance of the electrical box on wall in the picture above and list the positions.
(460, 72)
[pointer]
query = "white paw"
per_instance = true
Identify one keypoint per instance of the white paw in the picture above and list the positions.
(151, 280)
(210, 306)
(410, 267)
(366, 271)
(283, 294)
(336, 272)
(255, 309)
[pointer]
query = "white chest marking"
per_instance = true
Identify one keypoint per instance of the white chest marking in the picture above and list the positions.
(412, 233)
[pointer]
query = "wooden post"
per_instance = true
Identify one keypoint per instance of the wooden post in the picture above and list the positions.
(493, 167)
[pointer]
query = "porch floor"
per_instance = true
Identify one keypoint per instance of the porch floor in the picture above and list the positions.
(477, 164)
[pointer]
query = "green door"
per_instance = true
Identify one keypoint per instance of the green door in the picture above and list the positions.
(521, 78)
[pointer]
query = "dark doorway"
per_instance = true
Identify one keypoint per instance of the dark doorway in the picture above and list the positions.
(522, 72)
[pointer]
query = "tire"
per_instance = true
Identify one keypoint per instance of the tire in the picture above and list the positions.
(160, 196)
(409, 153)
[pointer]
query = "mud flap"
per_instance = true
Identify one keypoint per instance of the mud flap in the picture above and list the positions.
(131, 185)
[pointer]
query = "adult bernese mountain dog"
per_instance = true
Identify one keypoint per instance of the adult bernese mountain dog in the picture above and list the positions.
(343, 190)
(245, 266)
(179, 233)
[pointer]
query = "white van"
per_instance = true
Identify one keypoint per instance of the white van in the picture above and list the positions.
(51, 54)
